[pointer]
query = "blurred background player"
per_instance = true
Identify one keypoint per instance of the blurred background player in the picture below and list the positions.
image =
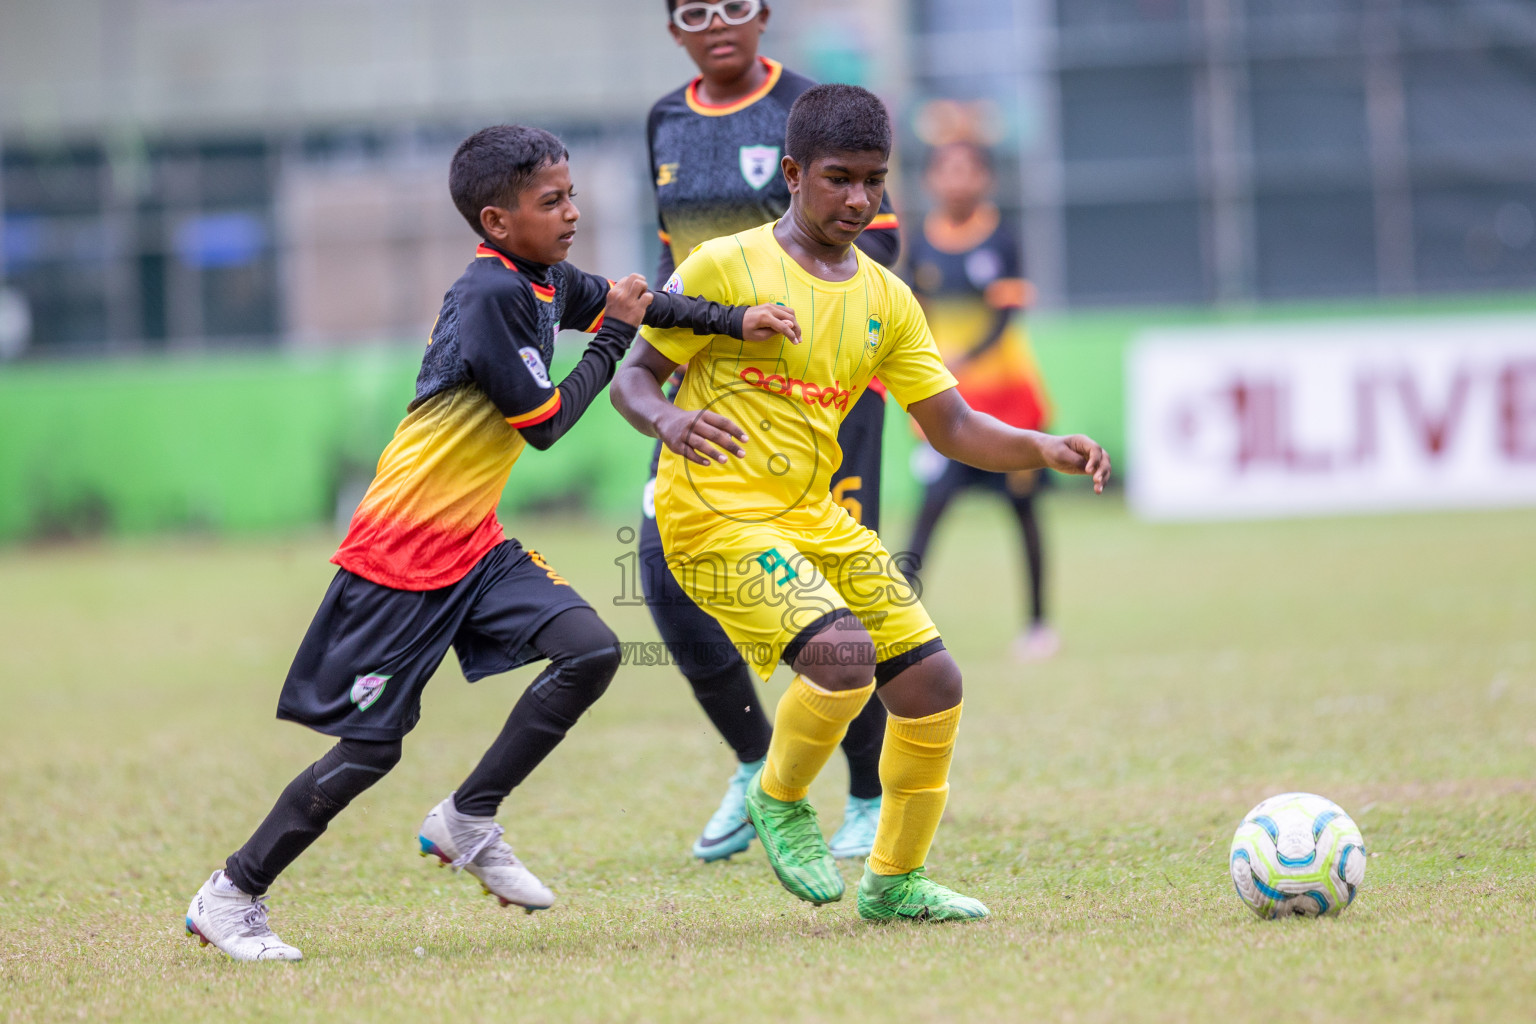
(426, 564)
(967, 272)
(715, 146)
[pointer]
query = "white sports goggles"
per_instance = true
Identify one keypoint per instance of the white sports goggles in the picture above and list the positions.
(698, 16)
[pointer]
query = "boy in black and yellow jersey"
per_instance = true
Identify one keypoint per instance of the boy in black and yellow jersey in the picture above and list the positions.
(426, 565)
(757, 540)
(967, 272)
(714, 147)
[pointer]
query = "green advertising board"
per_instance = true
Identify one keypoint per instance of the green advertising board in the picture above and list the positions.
(224, 443)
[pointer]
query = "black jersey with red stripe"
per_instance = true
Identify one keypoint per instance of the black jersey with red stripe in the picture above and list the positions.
(497, 329)
(716, 168)
(970, 279)
(430, 513)
(482, 395)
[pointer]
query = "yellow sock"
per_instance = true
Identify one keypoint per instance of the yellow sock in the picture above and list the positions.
(914, 772)
(807, 727)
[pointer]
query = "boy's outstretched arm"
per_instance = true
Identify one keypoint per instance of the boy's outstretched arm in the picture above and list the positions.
(965, 435)
(627, 302)
(637, 394)
(704, 316)
(630, 304)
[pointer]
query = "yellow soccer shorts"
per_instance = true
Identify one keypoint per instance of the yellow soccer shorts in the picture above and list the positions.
(773, 585)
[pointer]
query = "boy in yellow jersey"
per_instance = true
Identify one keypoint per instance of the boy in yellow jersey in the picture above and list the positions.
(714, 146)
(750, 527)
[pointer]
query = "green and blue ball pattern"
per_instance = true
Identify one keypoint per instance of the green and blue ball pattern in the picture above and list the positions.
(1297, 853)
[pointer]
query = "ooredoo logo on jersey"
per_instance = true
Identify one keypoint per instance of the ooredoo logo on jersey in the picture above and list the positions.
(833, 396)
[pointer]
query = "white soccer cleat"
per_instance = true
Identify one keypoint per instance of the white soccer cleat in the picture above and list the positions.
(475, 845)
(235, 922)
(1038, 643)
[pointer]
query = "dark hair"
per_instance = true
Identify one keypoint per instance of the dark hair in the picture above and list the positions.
(975, 150)
(492, 166)
(836, 119)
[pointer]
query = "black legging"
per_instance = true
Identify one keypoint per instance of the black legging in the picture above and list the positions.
(583, 656)
(1020, 492)
(730, 699)
(725, 686)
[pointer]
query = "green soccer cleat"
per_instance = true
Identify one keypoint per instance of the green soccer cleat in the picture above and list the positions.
(915, 897)
(792, 839)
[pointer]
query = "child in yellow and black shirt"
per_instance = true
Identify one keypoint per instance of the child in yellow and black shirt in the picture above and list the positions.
(426, 564)
(967, 272)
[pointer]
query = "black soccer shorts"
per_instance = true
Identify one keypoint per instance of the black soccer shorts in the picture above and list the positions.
(370, 650)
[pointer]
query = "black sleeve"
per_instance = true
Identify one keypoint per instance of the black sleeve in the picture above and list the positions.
(700, 314)
(995, 329)
(882, 244)
(589, 295)
(584, 383)
(496, 328)
(1009, 251)
(586, 295)
(664, 265)
(1009, 277)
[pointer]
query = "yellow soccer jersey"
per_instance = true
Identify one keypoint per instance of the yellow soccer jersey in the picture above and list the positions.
(789, 399)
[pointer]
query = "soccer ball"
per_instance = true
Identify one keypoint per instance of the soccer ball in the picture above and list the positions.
(1297, 853)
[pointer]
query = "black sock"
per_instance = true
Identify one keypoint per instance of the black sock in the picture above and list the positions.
(936, 498)
(866, 735)
(583, 655)
(1034, 557)
(306, 807)
(730, 700)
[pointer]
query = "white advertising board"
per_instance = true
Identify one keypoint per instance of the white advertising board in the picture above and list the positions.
(1322, 418)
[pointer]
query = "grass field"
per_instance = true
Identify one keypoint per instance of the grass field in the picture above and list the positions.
(1387, 663)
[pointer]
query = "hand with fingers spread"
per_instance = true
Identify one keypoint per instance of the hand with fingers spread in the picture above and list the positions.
(627, 299)
(1081, 455)
(961, 433)
(696, 435)
(770, 320)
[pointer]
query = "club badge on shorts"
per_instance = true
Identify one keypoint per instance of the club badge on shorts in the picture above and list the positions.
(758, 164)
(367, 689)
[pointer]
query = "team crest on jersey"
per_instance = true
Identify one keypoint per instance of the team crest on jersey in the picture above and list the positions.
(758, 164)
(367, 689)
(535, 364)
(674, 285)
(876, 332)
